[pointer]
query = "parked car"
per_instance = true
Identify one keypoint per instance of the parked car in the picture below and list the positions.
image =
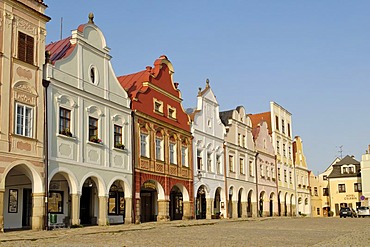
(345, 212)
(363, 211)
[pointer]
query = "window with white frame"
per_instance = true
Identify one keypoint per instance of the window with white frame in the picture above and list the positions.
(218, 164)
(209, 162)
(199, 160)
(171, 112)
(231, 163)
(241, 165)
(93, 129)
(144, 145)
(159, 148)
(65, 121)
(244, 140)
(172, 148)
(24, 115)
(284, 153)
(118, 143)
(251, 170)
(184, 156)
(158, 106)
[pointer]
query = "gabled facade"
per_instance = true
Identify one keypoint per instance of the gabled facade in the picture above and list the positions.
(208, 156)
(162, 145)
(301, 178)
(279, 121)
(89, 133)
(22, 170)
(345, 184)
(240, 164)
(265, 169)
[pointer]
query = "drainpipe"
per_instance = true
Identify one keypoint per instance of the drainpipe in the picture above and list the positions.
(257, 192)
(45, 84)
(133, 155)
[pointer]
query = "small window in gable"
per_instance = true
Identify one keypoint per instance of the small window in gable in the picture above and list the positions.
(25, 48)
(158, 106)
(171, 112)
(94, 75)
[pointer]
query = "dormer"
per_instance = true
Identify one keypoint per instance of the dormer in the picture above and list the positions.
(348, 169)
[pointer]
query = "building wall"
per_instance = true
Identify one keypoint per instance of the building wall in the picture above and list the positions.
(21, 84)
(365, 175)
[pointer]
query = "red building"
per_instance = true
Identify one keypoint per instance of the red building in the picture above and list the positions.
(162, 145)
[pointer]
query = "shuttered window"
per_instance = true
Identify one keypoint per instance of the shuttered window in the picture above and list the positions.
(25, 48)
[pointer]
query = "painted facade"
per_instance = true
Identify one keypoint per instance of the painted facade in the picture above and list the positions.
(208, 156)
(89, 133)
(345, 188)
(240, 164)
(316, 196)
(265, 169)
(22, 180)
(365, 175)
(301, 178)
(163, 175)
(279, 121)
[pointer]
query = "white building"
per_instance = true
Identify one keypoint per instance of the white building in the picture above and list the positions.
(208, 151)
(365, 178)
(240, 164)
(89, 124)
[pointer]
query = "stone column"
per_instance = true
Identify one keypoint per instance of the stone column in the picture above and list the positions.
(163, 210)
(75, 208)
(209, 212)
(38, 211)
(137, 210)
(235, 210)
(1, 210)
(128, 210)
(103, 211)
(187, 213)
(294, 210)
(244, 210)
(254, 209)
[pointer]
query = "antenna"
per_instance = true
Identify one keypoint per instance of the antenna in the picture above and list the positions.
(61, 27)
(341, 151)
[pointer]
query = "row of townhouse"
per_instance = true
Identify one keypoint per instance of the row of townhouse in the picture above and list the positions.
(81, 146)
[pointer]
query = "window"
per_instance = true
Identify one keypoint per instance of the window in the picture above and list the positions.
(289, 132)
(251, 168)
(93, 128)
(290, 177)
(65, 122)
(172, 153)
(171, 112)
(144, 145)
(285, 177)
(325, 177)
(25, 48)
(358, 187)
(282, 126)
(209, 162)
(318, 211)
(55, 202)
(267, 172)
(279, 174)
(290, 152)
(239, 139)
(158, 149)
(351, 169)
(231, 163)
(315, 191)
(118, 137)
(184, 156)
(273, 173)
(158, 106)
(341, 188)
(277, 122)
(199, 160)
(241, 164)
(116, 201)
(284, 153)
(92, 74)
(325, 192)
(261, 171)
(344, 170)
(278, 147)
(24, 120)
(244, 141)
(218, 164)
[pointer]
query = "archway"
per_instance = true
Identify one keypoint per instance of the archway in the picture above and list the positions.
(285, 204)
(230, 203)
(148, 198)
(217, 203)
(271, 204)
(89, 202)
(201, 204)
(249, 204)
(279, 203)
(260, 202)
(300, 206)
(240, 207)
(292, 206)
(176, 204)
(116, 203)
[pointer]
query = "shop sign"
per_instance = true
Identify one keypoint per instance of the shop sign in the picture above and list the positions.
(149, 185)
(350, 197)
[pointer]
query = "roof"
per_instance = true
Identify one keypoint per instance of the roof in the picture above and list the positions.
(259, 117)
(60, 49)
(348, 160)
(225, 116)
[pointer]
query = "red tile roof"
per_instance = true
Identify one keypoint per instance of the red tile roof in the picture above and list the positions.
(132, 83)
(259, 117)
(60, 49)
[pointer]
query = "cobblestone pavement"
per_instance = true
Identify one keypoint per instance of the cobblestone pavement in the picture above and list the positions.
(248, 232)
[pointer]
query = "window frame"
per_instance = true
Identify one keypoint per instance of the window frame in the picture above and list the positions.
(144, 145)
(65, 121)
(342, 188)
(117, 135)
(27, 54)
(24, 126)
(93, 128)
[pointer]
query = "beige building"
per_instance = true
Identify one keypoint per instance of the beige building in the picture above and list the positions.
(22, 44)
(365, 175)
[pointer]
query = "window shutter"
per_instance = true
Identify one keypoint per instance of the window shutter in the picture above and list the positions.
(21, 46)
(29, 49)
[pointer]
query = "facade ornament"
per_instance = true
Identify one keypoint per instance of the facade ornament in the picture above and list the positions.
(91, 18)
(207, 83)
(199, 91)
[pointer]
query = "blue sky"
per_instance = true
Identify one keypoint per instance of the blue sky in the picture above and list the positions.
(311, 57)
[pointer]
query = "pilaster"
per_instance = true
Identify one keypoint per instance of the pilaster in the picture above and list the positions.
(38, 211)
(209, 212)
(103, 210)
(163, 210)
(75, 214)
(128, 210)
